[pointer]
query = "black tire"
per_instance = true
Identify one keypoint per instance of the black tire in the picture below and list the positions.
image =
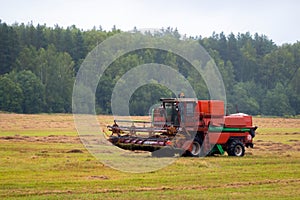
(196, 148)
(236, 148)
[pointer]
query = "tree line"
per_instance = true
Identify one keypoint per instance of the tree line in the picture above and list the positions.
(38, 65)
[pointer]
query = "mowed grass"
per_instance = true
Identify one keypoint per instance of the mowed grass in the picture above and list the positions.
(51, 163)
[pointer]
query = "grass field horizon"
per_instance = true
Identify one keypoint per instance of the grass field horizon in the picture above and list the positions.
(42, 158)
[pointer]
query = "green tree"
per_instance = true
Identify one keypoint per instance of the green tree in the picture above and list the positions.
(276, 102)
(93, 37)
(233, 52)
(57, 74)
(263, 45)
(145, 97)
(28, 60)
(39, 40)
(293, 84)
(243, 100)
(226, 70)
(9, 47)
(11, 96)
(33, 91)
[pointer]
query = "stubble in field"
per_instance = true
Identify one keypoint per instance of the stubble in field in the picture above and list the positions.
(41, 157)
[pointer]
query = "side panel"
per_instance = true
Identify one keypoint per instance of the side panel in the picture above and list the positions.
(218, 138)
(222, 138)
(238, 121)
(211, 107)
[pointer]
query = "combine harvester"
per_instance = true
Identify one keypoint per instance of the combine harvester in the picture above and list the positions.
(187, 127)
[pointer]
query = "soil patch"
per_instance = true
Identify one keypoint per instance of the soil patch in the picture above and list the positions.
(276, 146)
(276, 122)
(45, 139)
(75, 151)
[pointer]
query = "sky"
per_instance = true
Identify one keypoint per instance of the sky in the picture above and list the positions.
(277, 19)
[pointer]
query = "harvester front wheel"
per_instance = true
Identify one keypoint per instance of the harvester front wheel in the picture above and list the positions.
(236, 148)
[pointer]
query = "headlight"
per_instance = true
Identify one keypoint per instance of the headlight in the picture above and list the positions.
(249, 137)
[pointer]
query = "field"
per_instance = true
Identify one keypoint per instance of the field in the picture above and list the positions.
(41, 157)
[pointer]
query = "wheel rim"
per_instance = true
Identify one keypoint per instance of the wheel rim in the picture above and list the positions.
(195, 149)
(238, 150)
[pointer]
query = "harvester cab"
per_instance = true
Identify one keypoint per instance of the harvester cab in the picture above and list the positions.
(175, 112)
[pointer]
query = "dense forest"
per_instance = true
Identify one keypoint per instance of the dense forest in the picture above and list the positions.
(38, 65)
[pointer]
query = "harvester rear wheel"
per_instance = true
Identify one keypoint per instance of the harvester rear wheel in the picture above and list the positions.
(196, 148)
(236, 148)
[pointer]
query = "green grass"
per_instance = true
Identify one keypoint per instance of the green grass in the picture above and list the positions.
(277, 130)
(45, 169)
(40, 170)
(278, 135)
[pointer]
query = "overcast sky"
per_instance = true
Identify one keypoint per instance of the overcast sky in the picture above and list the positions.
(278, 19)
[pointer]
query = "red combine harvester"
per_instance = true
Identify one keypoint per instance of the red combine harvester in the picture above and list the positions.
(187, 127)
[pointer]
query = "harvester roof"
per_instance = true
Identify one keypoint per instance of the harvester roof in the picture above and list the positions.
(175, 100)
